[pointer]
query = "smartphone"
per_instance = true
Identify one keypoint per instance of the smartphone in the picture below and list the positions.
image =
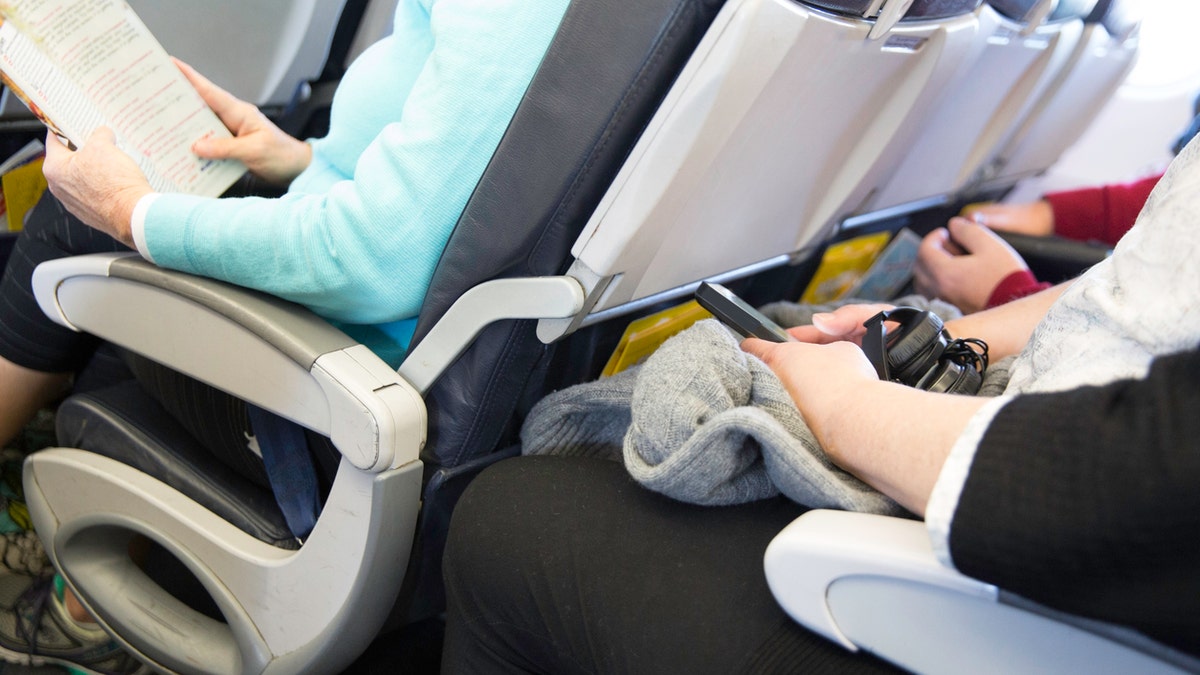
(735, 313)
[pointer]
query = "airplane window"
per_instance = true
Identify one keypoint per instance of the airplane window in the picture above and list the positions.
(1168, 56)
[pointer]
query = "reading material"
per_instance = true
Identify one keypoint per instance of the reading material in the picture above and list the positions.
(82, 64)
(841, 266)
(868, 267)
(891, 271)
(21, 183)
(646, 334)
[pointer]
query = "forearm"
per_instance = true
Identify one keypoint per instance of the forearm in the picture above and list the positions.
(893, 437)
(1007, 328)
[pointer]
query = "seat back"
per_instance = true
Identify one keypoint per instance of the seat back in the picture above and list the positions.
(996, 86)
(1087, 77)
(785, 122)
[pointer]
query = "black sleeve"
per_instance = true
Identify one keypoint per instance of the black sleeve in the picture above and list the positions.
(1088, 501)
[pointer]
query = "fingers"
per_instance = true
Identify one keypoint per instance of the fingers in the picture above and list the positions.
(763, 349)
(972, 236)
(935, 245)
(217, 148)
(231, 110)
(844, 323)
(56, 150)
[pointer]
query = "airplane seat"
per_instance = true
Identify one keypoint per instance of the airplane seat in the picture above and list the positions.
(746, 166)
(316, 608)
(362, 23)
(1086, 79)
(998, 81)
(873, 583)
(658, 145)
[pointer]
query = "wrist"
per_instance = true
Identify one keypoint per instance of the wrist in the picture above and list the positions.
(120, 213)
(833, 414)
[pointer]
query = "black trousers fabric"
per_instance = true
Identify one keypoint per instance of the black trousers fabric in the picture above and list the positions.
(565, 565)
(27, 337)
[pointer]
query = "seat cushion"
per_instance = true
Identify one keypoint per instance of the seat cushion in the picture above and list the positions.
(124, 423)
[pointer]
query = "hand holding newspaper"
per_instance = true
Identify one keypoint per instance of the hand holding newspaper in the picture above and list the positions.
(83, 64)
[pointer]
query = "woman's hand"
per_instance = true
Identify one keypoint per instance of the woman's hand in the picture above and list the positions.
(1033, 218)
(817, 376)
(264, 148)
(98, 183)
(963, 263)
(844, 324)
(855, 416)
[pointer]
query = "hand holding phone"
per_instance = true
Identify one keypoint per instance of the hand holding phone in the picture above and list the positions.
(741, 317)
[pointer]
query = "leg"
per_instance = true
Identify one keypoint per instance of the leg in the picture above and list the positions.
(565, 565)
(26, 391)
(37, 355)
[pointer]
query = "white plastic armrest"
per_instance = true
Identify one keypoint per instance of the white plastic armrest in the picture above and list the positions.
(872, 582)
(496, 300)
(259, 348)
(821, 547)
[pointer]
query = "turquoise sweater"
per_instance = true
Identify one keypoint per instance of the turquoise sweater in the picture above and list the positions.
(414, 123)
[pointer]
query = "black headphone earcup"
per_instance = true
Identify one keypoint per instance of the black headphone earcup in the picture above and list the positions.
(950, 377)
(912, 346)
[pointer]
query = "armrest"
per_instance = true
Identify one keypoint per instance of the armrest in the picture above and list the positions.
(272, 353)
(1056, 259)
(872, 582)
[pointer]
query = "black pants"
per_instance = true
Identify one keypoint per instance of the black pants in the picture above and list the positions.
(565, 565)
(30, 339)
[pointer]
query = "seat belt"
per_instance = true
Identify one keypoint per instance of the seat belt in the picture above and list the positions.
(290, 468)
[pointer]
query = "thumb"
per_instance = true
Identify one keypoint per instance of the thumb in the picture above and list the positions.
(211, 147)
(103, 135)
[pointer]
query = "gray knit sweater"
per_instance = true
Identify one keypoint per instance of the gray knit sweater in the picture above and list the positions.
(703, 422)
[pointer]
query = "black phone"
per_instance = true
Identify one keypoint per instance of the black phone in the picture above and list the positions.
(735, 313)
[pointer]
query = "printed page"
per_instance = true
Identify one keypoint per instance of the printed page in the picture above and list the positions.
(112, 60)
(55, 100)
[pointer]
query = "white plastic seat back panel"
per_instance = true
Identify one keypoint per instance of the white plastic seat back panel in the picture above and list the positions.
(1096, 68)
(783, 121)
(266, 47)
(980, 107)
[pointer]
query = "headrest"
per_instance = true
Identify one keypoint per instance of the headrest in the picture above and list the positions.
(921, 9)
(940, 9)
(1119, 17)
(1072, 9)
(1016, 10)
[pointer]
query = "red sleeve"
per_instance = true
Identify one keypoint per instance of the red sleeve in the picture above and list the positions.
(1102, 214)
(1016, 285)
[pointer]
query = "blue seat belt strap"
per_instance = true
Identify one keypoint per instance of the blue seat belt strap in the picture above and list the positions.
(290, 468)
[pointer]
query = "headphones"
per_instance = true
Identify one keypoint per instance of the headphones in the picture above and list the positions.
(920, 353)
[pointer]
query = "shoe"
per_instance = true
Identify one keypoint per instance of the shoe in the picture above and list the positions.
(35, 630)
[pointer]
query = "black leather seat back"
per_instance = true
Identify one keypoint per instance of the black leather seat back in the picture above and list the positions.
(605, 74)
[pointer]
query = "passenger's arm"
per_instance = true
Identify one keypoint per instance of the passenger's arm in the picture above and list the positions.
(1086, 501)
(963, 263)
(363, 250)
(895, 438)
(1103, 213)
(1007, 328)
(98, 183)
(264, 148)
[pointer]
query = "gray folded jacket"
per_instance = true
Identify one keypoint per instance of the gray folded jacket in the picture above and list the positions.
(702, 421)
